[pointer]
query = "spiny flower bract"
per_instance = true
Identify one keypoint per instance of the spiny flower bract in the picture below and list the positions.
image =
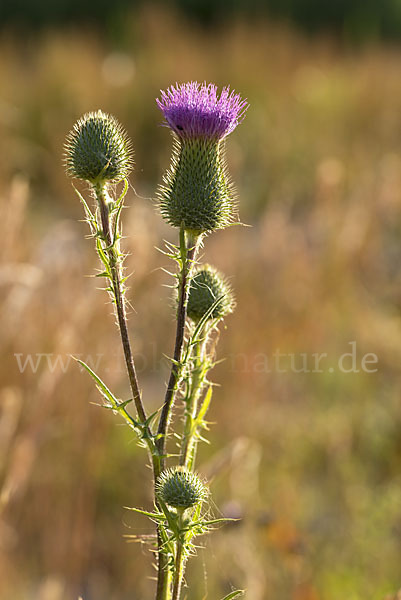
(194, 110)
(207, 286)
(197, 191)
(97, 149)
(180, 488)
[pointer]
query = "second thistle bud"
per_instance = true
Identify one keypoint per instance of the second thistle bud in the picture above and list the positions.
(98, 149)
(208, 287)
(180, 488)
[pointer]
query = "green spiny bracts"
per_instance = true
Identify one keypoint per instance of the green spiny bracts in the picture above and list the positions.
(197, 192)
(98, 149)
(207, 286)
(180, 488)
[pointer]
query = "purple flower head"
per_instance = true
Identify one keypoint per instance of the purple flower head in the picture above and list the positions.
(194, 110)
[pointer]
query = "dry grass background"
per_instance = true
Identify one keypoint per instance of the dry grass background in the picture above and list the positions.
(311, 461)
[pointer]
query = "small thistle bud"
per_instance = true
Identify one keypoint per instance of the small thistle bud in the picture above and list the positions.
(180, 488)
(207, 285)
(97, 149)
(197, 191)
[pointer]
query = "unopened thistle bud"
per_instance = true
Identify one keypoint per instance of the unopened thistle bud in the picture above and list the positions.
(98, 149)
(180, 488)
(207, 286)
(197, 192)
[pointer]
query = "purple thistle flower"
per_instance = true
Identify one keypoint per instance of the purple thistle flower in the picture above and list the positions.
(194, 110)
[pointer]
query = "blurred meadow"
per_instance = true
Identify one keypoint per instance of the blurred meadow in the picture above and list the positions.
(310, 461)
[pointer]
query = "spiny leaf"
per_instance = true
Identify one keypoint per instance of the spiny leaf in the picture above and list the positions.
(149, 420)
(118, 208)
(125, 403)
(108, 395)
(205, 405)
(235, 594)
(99, 383)
(151, 515)
(88, 211)
(213, 522)
(206, 317)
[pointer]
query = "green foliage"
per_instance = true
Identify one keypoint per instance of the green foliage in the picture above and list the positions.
(235, 594)
(120, 408)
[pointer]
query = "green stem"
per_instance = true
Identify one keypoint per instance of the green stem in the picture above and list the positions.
(188, 250)
(112, 253)
(179, 572)
(115, 269)
(179, 561)
(166, 595)
(190, 429)
(163, 586)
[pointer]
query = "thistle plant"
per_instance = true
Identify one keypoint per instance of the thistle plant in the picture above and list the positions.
(197, 197)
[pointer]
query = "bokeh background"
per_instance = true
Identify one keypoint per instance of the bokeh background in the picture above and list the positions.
(310, 461)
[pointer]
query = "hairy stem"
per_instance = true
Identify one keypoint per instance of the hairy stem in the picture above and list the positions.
(115, 269)
(179, 561)
(166, 592)
(163, 586)
(187, 257)
(162, 591)
(195, 388)
(120, 304)
(188, 250)
(179, 572)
